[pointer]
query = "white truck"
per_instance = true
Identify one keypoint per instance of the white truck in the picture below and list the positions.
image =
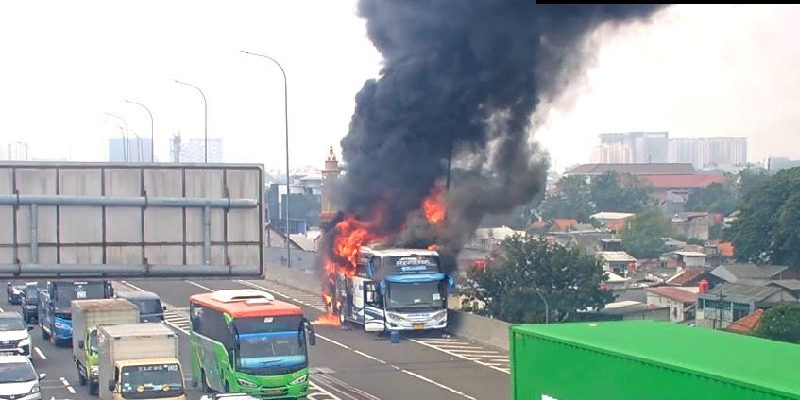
(139, 361)
(87, 315)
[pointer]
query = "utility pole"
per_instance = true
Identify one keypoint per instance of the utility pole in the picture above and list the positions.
(205, 104)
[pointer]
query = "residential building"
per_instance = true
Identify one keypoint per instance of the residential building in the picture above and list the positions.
(588, 242)
(775, 164)
(606, 217)
(729, 302)
(618, 262)
(130, 150)
(792, 285)
(563, 225)
(681, 302)
(685, 259)
(194, 151)
(709, 152)
(644, 147)
(691, 225)
(689, 278)
(14, 151)
(488, 239)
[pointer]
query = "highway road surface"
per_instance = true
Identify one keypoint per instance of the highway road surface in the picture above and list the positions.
(345, 364)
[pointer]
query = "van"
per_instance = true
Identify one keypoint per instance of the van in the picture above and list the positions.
(150, 308)
(14, 337)
(18, 379)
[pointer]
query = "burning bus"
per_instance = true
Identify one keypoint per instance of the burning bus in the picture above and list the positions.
(392, 289)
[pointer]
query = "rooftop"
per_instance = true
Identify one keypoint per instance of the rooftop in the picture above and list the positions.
(734, 272)
(681, 181)
(747, 323)
(683, 277)
(755, 293)
(681, 295)
(688, 254)
(616, 256)
(759, 363)
(612, 215)
(635, 169)
(791, 284)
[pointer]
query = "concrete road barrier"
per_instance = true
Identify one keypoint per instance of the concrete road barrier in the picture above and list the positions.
(462, 324)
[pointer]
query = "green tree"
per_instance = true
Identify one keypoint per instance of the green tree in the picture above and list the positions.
(643, 237)
(716, 198)
(526, 268)
(751, 178)
(780, 323)
(570, 200)
(616, 192)
(766, 230)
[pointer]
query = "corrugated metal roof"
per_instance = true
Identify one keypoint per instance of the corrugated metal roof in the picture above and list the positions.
(791, 284)
(755, 293)
(688, 254)
(768, 365)
(681, 295)
(611, 215)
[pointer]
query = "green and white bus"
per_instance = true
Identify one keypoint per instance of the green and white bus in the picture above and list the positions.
(246, 341)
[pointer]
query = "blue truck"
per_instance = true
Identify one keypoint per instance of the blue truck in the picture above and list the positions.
(55, 313)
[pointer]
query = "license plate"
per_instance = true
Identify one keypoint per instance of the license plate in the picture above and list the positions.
(273, 392)
(419, 327)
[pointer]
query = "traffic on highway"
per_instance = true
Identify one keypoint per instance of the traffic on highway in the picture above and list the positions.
(315, 361)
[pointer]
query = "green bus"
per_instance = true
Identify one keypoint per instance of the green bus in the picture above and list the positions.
(245, 341)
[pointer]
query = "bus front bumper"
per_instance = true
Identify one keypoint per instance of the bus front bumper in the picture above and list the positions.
(289, 391)
(416, 322)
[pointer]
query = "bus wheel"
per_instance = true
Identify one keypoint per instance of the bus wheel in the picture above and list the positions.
(94, 388)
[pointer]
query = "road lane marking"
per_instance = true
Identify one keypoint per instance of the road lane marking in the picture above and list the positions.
(407, 372)
(485, 364)
(39, 352)
(315, 396)
(433, 343)
(66, 384)
(199, 285)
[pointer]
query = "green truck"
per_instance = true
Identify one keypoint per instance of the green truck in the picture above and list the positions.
(648, 361)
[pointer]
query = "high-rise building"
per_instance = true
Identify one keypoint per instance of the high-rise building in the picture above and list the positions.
(130, 150)
(616, 153)
(644, 147)
(775, 164)
(14, 151)
(193, 150)
(709, 152)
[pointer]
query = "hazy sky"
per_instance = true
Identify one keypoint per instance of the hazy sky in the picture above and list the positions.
(695, 71)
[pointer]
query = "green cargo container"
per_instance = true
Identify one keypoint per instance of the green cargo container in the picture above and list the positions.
(648, 361)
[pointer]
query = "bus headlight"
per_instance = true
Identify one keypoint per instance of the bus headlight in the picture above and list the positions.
(245, 383)
(394, 316)
(440, 315)
(299, 380)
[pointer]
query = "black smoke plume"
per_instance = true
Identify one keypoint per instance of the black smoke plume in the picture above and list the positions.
(461, 80)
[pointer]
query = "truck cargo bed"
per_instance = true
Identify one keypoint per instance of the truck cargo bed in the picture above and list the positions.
(648, 361)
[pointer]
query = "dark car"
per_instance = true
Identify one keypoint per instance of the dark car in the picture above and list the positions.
(150, 309)
(30, 303)
(15, 293)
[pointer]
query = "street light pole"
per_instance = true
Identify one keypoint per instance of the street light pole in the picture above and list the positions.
(286, 127)
(546, 307)
(138, 145)
(152, 139)
(125, 147)
(205, 104)
(124, 139)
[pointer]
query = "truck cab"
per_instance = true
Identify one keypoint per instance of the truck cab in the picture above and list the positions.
(55, 312)
(30, 302)
(147, 379)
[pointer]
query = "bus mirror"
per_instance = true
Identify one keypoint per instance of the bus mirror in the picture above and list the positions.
(312, 336)
(111, 385)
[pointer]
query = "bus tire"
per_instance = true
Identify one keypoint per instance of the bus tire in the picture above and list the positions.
(204, 383)
(81, 378)
(94, 388)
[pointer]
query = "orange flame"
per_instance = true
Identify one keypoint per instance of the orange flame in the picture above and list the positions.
(435, 206)
(433, 247)
(327, 319)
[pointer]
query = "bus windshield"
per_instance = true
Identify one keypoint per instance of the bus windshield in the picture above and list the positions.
(416, 296)
(270, 343)
(151, 381)
(69, 291)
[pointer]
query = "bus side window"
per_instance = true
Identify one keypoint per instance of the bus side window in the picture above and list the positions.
(361, 270)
